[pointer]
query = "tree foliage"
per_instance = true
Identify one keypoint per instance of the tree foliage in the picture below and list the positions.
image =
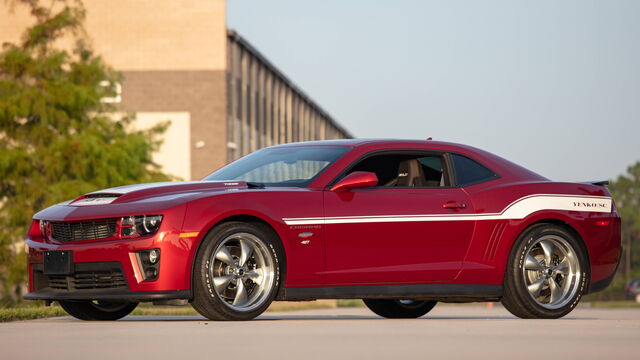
(626, 192)
(58, 139)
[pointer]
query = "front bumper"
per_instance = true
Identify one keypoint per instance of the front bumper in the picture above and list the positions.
(110, 270)
(132, 296)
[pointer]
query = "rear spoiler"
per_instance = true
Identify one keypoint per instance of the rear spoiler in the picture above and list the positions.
(597, 183)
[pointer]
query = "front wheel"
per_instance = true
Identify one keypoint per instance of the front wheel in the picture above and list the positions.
(237, 271)
(399, 309)
(546, 274)
(98, 310)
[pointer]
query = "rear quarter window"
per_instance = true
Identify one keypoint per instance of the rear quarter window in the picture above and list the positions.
(469, 171)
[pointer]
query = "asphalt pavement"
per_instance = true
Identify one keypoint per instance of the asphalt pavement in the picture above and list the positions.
(448, 332)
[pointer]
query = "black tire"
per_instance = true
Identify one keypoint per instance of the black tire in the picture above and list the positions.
(206, 299)
(399, 309)
(517, 299)
(98, 310)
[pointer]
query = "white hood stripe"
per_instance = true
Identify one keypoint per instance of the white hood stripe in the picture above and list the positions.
(519, 209)
(107, 196)
(121, 190)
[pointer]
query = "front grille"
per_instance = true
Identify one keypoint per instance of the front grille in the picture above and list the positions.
(87, 276)
(88, 230)
(84, 281)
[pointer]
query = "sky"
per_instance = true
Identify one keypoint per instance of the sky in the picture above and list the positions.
(551, 85)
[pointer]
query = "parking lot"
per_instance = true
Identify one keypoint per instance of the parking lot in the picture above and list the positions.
(449, 331)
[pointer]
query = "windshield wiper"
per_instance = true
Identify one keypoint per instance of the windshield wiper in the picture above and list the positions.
(255, 185)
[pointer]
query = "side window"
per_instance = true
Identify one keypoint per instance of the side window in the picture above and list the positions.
(469, 171)
(405, 170)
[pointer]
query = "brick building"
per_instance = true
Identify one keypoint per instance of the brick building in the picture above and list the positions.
(180, 63)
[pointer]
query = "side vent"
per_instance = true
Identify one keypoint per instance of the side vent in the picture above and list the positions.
(494, 239)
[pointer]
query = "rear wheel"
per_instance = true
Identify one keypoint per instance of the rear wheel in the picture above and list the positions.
(237, 271)
(98, 310)
(399, 309)
(546, 274)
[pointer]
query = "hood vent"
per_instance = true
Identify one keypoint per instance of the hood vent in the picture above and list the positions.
(95, 199)
(93, 196)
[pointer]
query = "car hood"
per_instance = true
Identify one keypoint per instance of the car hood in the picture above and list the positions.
(136, 199)
(166, 190)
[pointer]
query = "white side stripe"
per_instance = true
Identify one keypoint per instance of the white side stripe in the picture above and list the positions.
(519, 209)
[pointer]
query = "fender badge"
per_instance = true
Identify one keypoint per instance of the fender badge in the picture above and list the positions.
(305, 235)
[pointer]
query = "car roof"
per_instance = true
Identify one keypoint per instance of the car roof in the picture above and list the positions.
(374, 144)
(381, 142)
(496, 163)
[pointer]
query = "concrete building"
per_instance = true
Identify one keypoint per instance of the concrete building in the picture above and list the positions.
(180, 63)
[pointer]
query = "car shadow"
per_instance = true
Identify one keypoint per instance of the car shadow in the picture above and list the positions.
(271, 318)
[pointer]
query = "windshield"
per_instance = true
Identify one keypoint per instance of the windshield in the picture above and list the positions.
(285, 166)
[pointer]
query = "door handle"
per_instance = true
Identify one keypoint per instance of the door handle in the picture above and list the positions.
(454, 205)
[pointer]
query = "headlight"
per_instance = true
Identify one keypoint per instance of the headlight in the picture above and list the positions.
(140, 225)
(148, 224)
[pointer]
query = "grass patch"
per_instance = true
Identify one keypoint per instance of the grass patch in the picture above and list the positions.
(301, 305)
(615, 304)
(276, 306)
(186, 310)
(346, 303)
(28, 313)
(164, 311)
(146, 309)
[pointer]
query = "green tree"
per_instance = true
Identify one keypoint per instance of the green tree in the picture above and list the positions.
(58, 139)
(626, 192)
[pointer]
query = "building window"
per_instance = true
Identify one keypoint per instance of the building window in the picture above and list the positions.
(267, 108)
(116, 89)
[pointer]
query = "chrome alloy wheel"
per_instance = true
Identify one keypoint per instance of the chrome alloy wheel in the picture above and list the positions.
(242, 272)
(551, 272)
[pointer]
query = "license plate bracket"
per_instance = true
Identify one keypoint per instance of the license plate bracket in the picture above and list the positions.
(58, 262)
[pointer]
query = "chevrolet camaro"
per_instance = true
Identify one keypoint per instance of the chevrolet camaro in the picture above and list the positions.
(401, 224)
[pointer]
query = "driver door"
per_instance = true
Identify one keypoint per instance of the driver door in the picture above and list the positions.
(411, 228)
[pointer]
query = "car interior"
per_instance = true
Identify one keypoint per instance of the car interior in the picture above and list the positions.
(405, 170)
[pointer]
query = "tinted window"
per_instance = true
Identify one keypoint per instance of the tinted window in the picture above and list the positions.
(286, 166)
(405, 170)
(469, 171)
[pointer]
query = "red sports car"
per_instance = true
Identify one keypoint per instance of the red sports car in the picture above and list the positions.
(400, 224)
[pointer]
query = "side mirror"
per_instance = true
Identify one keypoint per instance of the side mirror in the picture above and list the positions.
(356, 180)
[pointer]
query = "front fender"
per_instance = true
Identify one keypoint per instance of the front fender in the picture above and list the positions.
(304, 263)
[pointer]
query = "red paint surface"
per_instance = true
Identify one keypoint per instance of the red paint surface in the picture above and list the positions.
(465, 252)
